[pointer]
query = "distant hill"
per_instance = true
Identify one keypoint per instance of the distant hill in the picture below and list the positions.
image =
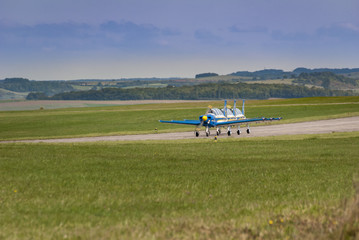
(277, 73)
(201, 91)
(263, 74)
(25, 85)
(298, 71)
(327, 80)
(10, 95)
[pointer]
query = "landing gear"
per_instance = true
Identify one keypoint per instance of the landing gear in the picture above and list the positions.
(197, 133)
(229, 132)
(239, 131)
(208, 132)
(248, 131)
(218, 132)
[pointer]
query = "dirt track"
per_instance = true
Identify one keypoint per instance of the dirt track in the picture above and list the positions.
(323, 126)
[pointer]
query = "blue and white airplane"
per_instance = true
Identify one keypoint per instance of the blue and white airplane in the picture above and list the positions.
(222, 118)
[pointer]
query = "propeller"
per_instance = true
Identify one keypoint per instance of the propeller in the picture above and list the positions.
(203, 120)
(204, 117)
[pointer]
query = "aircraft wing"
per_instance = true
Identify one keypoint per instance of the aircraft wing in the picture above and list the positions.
(186, 122)
(248, 120)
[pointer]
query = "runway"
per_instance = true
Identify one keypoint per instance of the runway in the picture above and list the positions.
(349, 124)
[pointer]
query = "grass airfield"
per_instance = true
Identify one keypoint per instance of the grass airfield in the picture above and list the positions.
(296, 187)
(143, 118)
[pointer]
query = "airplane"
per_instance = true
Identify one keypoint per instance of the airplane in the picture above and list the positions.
(222, 118)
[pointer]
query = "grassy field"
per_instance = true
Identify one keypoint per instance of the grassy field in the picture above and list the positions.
(150, 85)
(285, 187)
(139, 119)
(7, 94)
(288, 81)
(272, 188)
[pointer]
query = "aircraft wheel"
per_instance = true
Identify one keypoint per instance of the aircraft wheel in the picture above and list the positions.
(229, 133)
(238, 132)
(197, 134)
(207, 134)
(248, 131)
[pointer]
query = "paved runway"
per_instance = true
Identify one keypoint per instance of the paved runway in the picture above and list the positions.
(349, 124)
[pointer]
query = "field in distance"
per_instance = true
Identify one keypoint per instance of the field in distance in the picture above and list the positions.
(140, 119)
(271, 188)
(22, 105)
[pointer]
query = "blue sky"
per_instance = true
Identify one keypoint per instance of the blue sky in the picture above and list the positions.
(75, 39)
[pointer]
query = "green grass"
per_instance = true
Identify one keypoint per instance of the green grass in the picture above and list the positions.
(176, 189)
(150, 85)
(311, 100)
(138, 119)
(47, 124)
(288, 81)
(81, 88)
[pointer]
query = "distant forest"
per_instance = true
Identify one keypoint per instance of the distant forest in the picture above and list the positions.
(201, 91)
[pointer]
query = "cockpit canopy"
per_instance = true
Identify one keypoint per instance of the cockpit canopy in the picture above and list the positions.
(237, 112)
(229, 113)
(216, 112)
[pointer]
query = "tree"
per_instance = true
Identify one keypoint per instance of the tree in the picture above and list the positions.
(202, 75)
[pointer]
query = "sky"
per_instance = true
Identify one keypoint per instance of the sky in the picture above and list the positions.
(112, 39)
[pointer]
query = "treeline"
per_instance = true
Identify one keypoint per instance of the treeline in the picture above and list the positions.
(25, 85)
(202, 91)
(203, 75)
(277, 73)
(327, 80)
(264, 74)
(332, 70)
